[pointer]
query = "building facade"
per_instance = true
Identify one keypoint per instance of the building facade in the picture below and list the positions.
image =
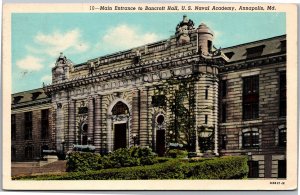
(176, 91)
(31, 125)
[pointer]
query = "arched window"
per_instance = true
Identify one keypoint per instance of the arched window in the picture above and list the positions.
(120, 108)
(84, 131)
(250, 138)
(160, 119)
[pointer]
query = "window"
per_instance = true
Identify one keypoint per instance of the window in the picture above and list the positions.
(13, 127)
(205, 119)
(224, 112)
(158, 100)
(282, 94)
(83, 110)
(209, 45)
(35, 95)
(223, 142)
(229, 54)
(282, 136)
(29, 152)
(282, 169)
(250, 138)
(253, 169)
(13, 153)
(45, 124)
(17, 99)
(206, 93)
(224, 88)
(250, 97)
(283, 45)
(160, 119)
(120, 108)
(255, 51)
(28, 125)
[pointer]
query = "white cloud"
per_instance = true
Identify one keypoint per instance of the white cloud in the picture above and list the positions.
(30, 63)
(125, 37)
(217, 38)
(46, 79)
(56, 42)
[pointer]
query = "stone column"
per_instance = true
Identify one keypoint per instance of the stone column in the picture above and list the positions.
(97, 130)
(216, 114)
(143, 131)
(59, 127)
(91, 120)
(197, 148)
(71, 138)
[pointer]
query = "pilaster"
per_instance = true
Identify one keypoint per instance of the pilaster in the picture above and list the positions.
(59, 126)
(91, 119)
(135, 114)
(97, 130)
(71, 136)
(143, 131)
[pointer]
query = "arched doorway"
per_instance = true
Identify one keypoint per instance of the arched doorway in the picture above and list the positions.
(120, 116)
(160, 135)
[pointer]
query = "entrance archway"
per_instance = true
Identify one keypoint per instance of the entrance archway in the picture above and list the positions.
(118, 124)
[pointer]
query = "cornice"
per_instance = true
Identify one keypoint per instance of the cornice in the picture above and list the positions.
(245, 64)
(139, 69)
(31, 103)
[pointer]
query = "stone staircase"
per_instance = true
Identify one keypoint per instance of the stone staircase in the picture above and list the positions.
(54, 167)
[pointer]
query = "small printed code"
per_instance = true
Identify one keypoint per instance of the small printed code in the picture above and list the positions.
(277, 182)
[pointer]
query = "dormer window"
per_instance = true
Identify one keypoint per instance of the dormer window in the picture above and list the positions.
(254, 52)
(229, 54)
(17, 99)
(35, 95)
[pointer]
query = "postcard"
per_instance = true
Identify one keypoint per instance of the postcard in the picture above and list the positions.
(168, 96)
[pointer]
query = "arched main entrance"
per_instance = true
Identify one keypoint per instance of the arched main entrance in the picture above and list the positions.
(120, 125)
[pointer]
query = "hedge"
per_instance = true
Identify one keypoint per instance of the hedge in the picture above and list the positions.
(215, 168)
(83, 161)
(123, 157)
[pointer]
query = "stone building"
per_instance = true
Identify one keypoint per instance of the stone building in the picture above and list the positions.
(31, 130)
(176, 91)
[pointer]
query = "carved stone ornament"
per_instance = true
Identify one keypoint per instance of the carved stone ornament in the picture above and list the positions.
(182, 30)
(59, 105)
(119, 117)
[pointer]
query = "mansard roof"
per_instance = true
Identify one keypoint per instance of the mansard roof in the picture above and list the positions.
(270, 46)
(28, 96)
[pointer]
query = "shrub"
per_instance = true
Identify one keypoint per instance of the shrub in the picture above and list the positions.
(174, 153)
(231, 167)
(83, 161)
(123, 157)
(148, 160)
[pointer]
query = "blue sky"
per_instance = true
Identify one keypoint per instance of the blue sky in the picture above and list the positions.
(37, 39)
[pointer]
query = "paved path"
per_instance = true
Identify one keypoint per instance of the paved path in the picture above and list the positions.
(19, 169)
